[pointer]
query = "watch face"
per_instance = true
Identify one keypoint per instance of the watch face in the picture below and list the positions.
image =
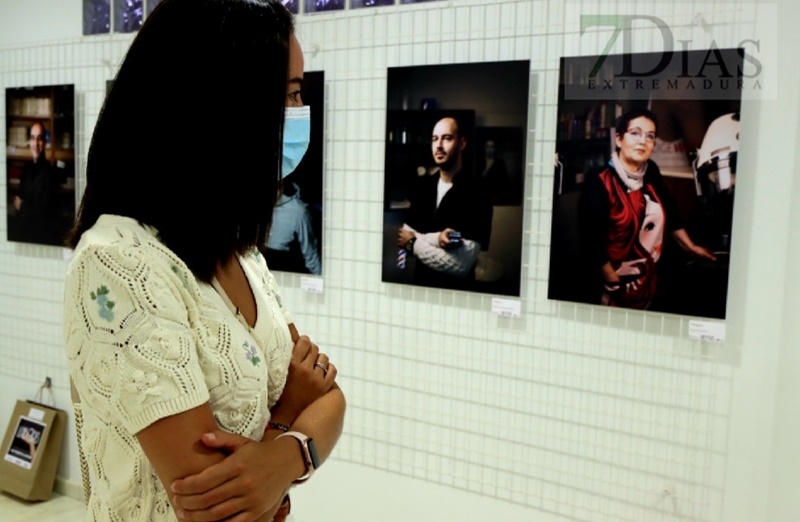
(312, 452)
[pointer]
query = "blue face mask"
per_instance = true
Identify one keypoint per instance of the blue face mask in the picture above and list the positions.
(296, 135)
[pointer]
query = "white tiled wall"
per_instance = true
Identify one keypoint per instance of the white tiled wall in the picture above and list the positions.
(570, 412)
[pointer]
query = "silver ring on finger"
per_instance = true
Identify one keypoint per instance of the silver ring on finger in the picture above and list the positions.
(322, 367)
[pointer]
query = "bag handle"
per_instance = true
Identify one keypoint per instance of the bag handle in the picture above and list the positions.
(46, 385)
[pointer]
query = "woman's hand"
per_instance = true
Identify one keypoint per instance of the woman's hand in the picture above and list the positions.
(683, 239)
(630, 268)
(702, 252)
(27, 437)
(247, 486)
(404, 236)
(444, 238)
(311, 375)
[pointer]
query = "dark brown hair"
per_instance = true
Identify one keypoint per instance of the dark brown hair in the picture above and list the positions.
(625, 120)
(189, 137)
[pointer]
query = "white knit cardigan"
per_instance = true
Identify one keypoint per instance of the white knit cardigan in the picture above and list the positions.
(145, 340)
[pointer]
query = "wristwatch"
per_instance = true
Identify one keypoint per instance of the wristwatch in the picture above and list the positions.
(410, 244)
(309, 450)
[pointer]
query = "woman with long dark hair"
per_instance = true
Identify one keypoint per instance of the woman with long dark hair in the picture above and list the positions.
(200, 399)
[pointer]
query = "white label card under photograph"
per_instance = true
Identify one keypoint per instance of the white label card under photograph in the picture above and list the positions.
(312, 285)
(707, 331)
(506, 307)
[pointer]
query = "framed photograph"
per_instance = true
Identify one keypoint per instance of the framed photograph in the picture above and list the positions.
(128, 16)
(318, 6)
(454, 175)
(40, 163)
(96, 17)
(644, 178)
(356, 4)
(291, 5)
(295, 239)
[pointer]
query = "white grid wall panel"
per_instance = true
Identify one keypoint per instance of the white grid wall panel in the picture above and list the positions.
(600, 426)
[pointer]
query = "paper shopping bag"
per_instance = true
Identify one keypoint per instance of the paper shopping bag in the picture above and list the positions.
(31, 449)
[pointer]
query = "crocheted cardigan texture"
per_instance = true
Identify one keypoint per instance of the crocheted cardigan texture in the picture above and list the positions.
(145, 340)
